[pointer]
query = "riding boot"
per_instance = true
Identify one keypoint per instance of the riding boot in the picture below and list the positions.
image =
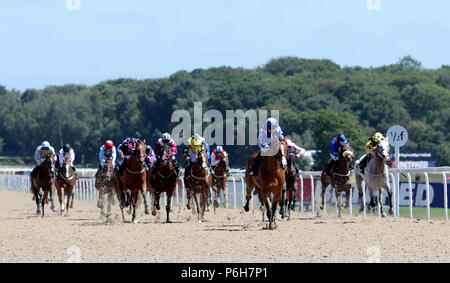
(330, 167)
(122, 166)
(363, 163)
(177, 167)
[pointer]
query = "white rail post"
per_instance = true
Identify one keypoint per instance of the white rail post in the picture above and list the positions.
(301, 193)
(445, 196)
(244, 199)
(312, 193)
(350, 201)
(183, 193)
(234, 192)
(427, 182)
(176, 193)
(410, 196)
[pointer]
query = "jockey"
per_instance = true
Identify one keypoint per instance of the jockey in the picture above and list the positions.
(292, 148)
(217, 154)
(107, 151)
(66, 152)
(125, 150)
(40, 153)
(335, 145)
(267, 135)
(371, 146)
(149, 157)
(196, 143)
(167, 140)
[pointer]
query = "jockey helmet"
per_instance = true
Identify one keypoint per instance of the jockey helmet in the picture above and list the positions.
(109, 143)
(342, 139)
(196, 140)
(271, 123)
(131, 146)
(219, 149)
(45, 145)
(66, 147)
(377, 137)
(166, 137)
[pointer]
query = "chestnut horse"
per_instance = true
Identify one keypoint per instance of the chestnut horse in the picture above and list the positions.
(290, 189)
(198, 182)
(133, 183)
(104, 183)
(339, 177)
(219, 180)
(271, 177)
(44, 181)
(164, 179)
(64, 185)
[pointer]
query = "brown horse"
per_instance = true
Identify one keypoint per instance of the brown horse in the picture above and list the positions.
(198, 181)
(64, 185)
(104, 183)
(219, 180)
(290, 189)
(133, 183)
(164, 179)
(43, 183)
(271, 180)
(339, 177)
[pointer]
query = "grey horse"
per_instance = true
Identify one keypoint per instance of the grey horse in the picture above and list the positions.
(376, 176)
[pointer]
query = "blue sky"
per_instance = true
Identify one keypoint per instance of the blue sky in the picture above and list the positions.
(44, 43)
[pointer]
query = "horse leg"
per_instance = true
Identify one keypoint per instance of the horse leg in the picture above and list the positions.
(52, 207)
(380, 201)
(144, 195)
(136, 195)
(189, 196)
(69, 193)
(169, 202)
(197, 203)
(339, 201)
(268, 207)
(391, 208)
(60, 191)
(44, 199)
(276, 199)
(324, 188)
(250, 186)
(100, 201)
(37, 199)
(72, 196)
(110, 197)
(205, 203)
(153, 202)
(291, 202)
(283, 202)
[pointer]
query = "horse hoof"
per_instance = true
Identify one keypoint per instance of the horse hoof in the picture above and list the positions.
(383, 214)
(199, 221)
(135, 221)
(188, 206)
(391, 211)
(153, 212)
(147, 211)
(246, 208)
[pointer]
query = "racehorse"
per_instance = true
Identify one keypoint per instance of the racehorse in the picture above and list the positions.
(104, 183)
(43, 183)
(290, 188)
(198, 182)
(164, 179)
(64, 185)
(339, 177)
(133, 183)
(271, 180)
(376, 177)
(219, 180)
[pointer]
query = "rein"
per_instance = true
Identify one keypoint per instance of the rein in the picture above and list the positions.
(200, 178)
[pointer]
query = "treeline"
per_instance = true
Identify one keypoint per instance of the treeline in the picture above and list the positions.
(316, 99)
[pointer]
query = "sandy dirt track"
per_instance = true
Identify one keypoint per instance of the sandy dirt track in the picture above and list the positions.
(229, 236)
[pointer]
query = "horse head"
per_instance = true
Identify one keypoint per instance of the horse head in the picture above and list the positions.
(109, 168)
(139, 152)
(202, 159)
(346, 152)
(382, 150)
